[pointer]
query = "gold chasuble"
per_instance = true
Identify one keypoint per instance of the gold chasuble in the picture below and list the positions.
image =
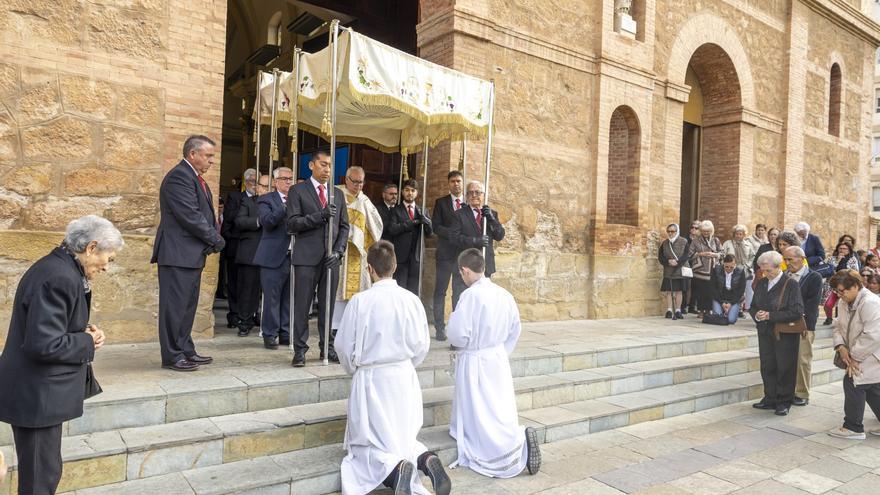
(366, 228)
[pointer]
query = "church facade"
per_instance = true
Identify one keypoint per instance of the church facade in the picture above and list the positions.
(613, 119)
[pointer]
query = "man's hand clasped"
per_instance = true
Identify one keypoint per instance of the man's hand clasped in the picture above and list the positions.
(97, 335)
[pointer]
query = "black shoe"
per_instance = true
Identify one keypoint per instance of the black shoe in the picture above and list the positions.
(270, 343)
(332, 356)
(828, 321)
(534, 452)
(403, 484)
(782, 410)
(182, 365)
(244, 331)
(430, 464)
(441, 334)
(669, 314)
(195, 358)
(299, 359)
(763, 405)
(284, 342)
(797, 401)
(692, 311)
(678, 316)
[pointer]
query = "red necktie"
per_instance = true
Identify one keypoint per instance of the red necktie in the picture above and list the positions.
(410, 210)
(204, 185)
(457, 204)
(321, 196)
(479, 217)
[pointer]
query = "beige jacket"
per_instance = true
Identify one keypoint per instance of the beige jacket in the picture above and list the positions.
(858, 328)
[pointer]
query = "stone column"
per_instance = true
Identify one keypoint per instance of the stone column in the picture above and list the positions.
(792, 182)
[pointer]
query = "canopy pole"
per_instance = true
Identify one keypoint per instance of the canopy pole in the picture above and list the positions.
(272, 131)
(422, 226)
(403, 164)
(334, 83)
(294, 150)
(488, 156)
(258, 102)
(463, 166)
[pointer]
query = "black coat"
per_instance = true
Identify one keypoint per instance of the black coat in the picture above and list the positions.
(230, 214)
(761, 250)
(443, 220)
(275, 241)
(791, 309)
(811, 294)
(304, 220)
(467, 234)
(43, 365)
(405, 233)
(385, 213)
(188, 226)
(247, 227)
(737, 285)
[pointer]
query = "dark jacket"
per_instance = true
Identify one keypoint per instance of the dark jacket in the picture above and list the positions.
(305, 222)
(467, 234)
(791, 309)
(405, 233)
(43, 365)
(230, 214)
(813, 249)
(385, 213)
(188, 226)
(274, 241)
(247, 228)
(811, 294)
(443, 220)
(721, 293)
(761, 250)
(679, 251)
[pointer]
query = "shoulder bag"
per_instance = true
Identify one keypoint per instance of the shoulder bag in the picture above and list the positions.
(796, 326)
(686, 271)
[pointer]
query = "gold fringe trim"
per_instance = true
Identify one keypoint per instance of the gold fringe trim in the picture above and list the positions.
(404, 167)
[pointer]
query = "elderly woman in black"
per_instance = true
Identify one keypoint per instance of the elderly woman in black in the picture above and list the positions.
(704, 253)
(777, 300)
(673, 255)
(50, 347)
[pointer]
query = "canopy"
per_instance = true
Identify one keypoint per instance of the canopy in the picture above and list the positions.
(387, 99)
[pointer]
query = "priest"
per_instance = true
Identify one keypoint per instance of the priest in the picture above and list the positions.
(484, 328)
(383, 336)
(365, 228)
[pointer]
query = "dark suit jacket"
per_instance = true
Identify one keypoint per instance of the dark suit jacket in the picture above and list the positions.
(405, 234)
(230, 214)
(813, 249)
(761, 250)
(791, 309)
(737, 285)
(385, 213)
(247, 228)
(811, 294)
(188, 225)
(305, 222)
(466, 233)
(43, 364)
(275, 241)
(443, 220)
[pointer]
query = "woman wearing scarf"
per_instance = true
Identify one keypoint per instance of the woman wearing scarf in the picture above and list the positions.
(758, 238)
(704, 253)
(742, 250)
(673, 255)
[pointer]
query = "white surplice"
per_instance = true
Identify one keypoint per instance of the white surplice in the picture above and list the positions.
(382, 338)
(485, 423)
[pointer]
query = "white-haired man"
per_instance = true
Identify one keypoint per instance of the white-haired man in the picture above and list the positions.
(811, 244)
(232, 235)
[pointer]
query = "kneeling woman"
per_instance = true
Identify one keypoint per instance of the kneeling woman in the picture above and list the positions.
(673, 255)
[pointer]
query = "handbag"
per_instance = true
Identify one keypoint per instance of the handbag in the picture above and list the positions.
(93, 388)
(713, 319)
(796, 326)
(687, 272)
(824, 269)
(838, 361)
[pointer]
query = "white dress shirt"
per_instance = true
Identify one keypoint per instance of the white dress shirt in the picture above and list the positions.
(773, 281)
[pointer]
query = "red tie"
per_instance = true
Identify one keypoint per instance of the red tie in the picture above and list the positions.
(321, 196)
(204, 185)
(457, 204)
(410, 209)
(479, 217)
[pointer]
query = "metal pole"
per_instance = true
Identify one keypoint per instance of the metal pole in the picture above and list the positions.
(258, 102)
(488, 156)
(294, 149)
(272, 129)
(422, 226)
(402, 164)
(464, 161)
(334, 63)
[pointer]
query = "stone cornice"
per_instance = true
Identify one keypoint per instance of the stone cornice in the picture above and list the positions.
(848, 18)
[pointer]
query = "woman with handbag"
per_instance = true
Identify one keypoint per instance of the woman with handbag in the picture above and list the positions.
(704, 253)
(844, 258)
(778, 310)
(673, 256)
(50, 347)
(857, 350)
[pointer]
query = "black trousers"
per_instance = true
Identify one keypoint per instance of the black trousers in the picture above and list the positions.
(778, 365)
(232, 297)
(407, 275)
(276, 301)
(178, 299)
(854, 399)
(446, 269)
(248, 294)
(39, 459)
(307, 279)
(702, 294)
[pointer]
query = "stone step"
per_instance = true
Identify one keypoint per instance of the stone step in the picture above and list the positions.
(160, 449)
(315, 470)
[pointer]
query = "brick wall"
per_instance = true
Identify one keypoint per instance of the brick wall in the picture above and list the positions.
(623, 169)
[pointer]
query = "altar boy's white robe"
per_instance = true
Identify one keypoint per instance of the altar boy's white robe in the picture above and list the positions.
(486, 326)
(383, 336)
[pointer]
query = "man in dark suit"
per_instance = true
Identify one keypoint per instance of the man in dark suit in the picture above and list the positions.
(247, 225)
(777, 300)
(443, 220)
(810, 283)
(389, 201)
(729, 286)
(187, 232)
(273, 257)
(811, 244)
(468, 230)
(231, 235)
(309, 214)
(408, 224)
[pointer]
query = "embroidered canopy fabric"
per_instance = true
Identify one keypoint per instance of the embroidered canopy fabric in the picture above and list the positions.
(387, 99)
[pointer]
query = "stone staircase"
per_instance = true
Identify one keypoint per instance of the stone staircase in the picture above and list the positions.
(258, 427)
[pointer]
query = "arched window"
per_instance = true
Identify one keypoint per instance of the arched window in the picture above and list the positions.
(834, 101)
(273, 35)
(623, 168)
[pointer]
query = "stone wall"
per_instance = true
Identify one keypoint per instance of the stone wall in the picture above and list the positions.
(96, 98)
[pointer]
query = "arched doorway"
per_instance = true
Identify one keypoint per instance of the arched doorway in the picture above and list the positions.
(710, 152)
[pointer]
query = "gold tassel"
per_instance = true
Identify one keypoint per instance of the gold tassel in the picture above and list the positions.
(405, 168)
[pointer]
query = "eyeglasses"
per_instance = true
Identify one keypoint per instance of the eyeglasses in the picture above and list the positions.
(839, 291)
(475, 193)
(695, 227)
(672, 231)
(286, 179)
(263, 185)
(355, 182)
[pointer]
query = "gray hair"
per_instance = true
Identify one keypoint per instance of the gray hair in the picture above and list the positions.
(84, 230)
(279, 170)
(354, 168)
(195, 143)
(802, 226)
(789, 238)
(250, 174)
(707, 225)
(739, 228)
(770, 257)
(797, 251)
(472, 182)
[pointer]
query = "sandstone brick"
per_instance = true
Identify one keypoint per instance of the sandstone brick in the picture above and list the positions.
(87, 96)
(66, 137)
(132, 213)
(8, 138)
(38, 103)
(30, 180)
(8, 79)
(148, 183)
(125, 32)
(130, 149)
(94, 181)
(55, 213)
(10, 208)
(58, 21)
(141, 106)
